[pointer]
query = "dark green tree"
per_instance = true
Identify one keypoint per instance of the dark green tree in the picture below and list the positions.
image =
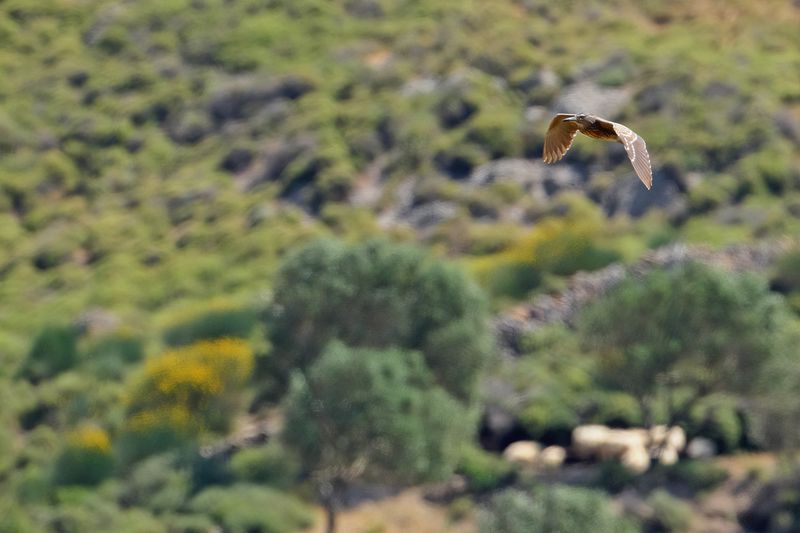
(380, 295)
(372, 415)
(679, 334)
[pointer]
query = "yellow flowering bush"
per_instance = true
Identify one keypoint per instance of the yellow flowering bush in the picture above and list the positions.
(86, 458)
(188, 387)
(555, 245)
(91, 438)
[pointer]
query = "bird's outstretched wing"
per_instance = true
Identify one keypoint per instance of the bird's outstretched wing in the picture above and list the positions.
(637, 153)
(558, 138)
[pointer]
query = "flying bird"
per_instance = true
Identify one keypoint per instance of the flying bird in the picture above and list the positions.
(565, 126)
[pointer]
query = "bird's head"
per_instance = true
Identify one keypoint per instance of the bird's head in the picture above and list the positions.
(581, 118)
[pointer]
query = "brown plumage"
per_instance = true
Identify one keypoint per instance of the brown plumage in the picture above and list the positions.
(565, 126)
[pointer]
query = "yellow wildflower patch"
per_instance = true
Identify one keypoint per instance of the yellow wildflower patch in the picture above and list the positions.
(90, 438)
(182, 385)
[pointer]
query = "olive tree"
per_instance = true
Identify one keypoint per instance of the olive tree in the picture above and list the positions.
(382, 346)
(372, 415)
(380, 295)
(691, 330)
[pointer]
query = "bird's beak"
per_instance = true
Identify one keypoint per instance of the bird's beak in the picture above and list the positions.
(570, 119)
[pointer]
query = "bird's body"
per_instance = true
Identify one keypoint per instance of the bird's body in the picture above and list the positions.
(565, 126)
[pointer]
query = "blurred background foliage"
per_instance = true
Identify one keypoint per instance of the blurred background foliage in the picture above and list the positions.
(224, 224)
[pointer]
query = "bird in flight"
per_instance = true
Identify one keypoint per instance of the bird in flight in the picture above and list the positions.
(565, 126)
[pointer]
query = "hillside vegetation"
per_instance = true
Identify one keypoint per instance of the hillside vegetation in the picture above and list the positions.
(209, 208)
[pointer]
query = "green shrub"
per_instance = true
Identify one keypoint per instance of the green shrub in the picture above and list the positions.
(786, 275)
(15, 520)
(711, 193)
(7, 437)
(549, 418)
(484, 471)
(719, 421)
(615, 75)
(670, 514)
(109, 355)
(697, 475)
(126, 347)
(245, 508)
(552, 508)
(188, 523)
(769, 169)
(208, 471)
(496, 132)
(617, 409)
(114, 40)
(460, 508)
(614, 477)
(54, 350)
(158, 484)
(86, 460)
(138, 440)
(34, 484)
(270, 464)
(80, 510)
(235, 323)
(794, 302)
(513, 280)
